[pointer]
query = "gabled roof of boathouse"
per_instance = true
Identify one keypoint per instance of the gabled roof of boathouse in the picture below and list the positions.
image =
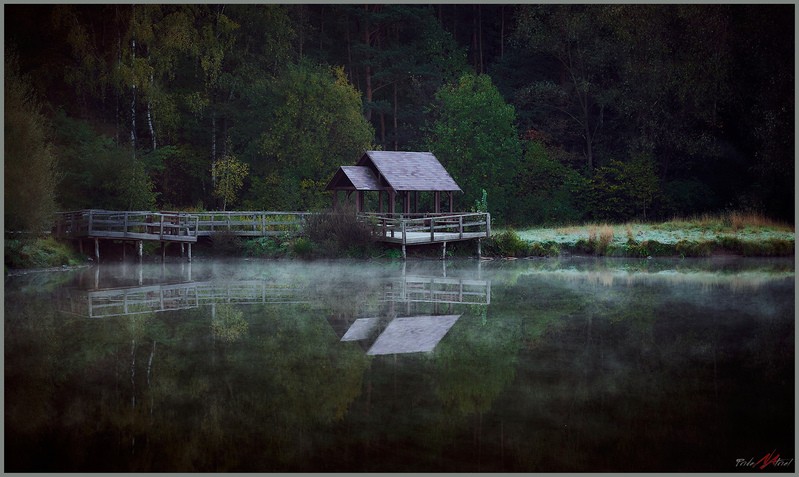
(400, 171)
(354, 178)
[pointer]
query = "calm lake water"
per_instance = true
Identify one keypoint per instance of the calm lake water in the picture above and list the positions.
(461, 366)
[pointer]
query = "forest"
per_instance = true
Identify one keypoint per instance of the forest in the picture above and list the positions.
(547, 114)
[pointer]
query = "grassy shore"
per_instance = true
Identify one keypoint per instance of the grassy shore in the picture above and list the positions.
(731, 233)
(38, 253)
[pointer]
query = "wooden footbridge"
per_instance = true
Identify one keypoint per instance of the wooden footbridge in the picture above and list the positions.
(185, 228)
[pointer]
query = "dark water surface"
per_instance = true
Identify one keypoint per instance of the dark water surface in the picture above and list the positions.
(528, 365)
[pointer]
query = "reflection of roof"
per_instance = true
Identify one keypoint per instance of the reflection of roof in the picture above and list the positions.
(360, 329)
(410, 170)
(412, 334)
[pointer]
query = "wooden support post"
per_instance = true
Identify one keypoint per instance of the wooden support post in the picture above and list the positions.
(437, 200)
(488, 225)
(451, 201)
(123, 251)
(140, 249)
(432, 229)
(479, 248)
(163, 252)
(460, 227)
(182, 249)
(443, 250)
(97, 250)
(189, 251)
(404, 256)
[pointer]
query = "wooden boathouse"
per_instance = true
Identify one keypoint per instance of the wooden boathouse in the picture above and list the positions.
(395, 175)
(399, 176)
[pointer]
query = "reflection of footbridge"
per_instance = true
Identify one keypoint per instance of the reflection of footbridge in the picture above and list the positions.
(140, 299)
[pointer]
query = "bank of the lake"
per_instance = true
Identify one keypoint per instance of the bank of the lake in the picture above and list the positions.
(729, 234)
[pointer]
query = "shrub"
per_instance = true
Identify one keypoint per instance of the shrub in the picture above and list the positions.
(271, 247)
(339, 232)
(226, 243)
(39, 253)
(687, 248)
(507, 244)
(302, 247)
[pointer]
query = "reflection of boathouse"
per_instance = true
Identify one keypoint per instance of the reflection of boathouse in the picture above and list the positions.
(401, 314)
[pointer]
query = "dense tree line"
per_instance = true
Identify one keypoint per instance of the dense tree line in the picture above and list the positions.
(559, 112)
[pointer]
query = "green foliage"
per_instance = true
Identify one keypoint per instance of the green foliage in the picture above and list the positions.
(227, 243)
(619, 190)
(475, 138)
(548, 191)
(393, 254)
(180, 86)
(39, 253)
(267, 247)
(98, 173)
(29, 157)
(506, 244)
(302, 247)
(481, 205)
(229, 174)
(315, 126)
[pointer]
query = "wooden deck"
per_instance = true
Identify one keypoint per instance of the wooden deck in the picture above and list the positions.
(184, 227)
(127, 225)
(419, 229)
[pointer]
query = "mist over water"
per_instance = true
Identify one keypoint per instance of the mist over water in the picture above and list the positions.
(460, 366)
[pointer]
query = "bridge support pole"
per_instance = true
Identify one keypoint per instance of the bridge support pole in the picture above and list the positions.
(97, 250)
(140, 249)
(443, 250)
(404, 255)
(163, 252)
(189, 244)
(182, 249)
(479, 248)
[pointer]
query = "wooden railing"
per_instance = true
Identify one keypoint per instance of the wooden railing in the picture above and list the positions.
(144, 225)
(253, 224)
(421, 228)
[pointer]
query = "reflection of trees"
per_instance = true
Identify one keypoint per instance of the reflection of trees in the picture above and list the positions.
(227, 323)
(156, 391)
(476, 362)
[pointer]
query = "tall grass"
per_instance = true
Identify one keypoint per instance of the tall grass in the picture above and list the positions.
(730, 220)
